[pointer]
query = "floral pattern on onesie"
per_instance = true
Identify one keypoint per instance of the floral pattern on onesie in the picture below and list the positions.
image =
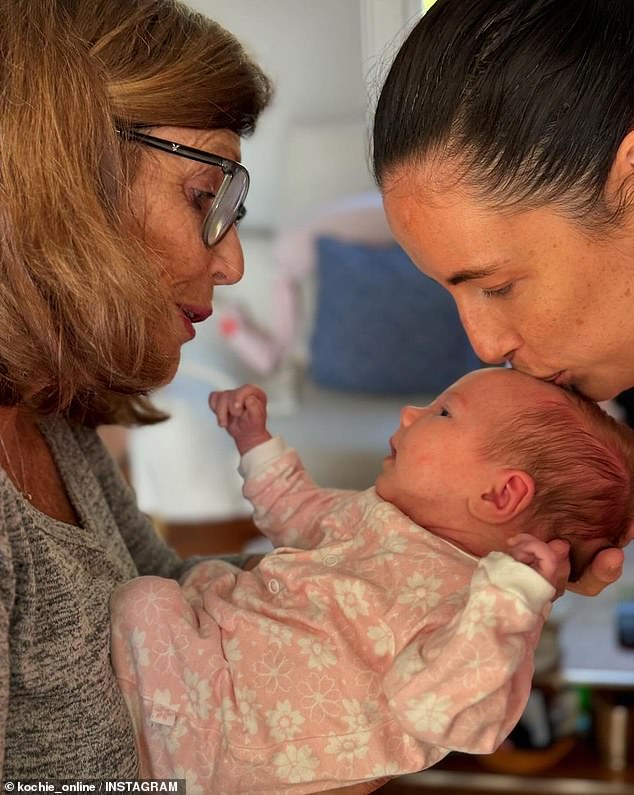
(363, 646)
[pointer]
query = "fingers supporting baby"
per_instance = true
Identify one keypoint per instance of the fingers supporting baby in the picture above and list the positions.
(548, 558)
(606, 568)
(242, 412)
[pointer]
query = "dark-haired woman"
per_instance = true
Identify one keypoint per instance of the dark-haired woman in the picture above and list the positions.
(504, 149)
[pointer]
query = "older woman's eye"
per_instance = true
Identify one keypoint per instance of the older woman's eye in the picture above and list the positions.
(202, 199)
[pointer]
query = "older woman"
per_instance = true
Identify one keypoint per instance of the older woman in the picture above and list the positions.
(504, 148)
(120, 188)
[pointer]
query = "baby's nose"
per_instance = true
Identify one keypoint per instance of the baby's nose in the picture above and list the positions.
(409, 415)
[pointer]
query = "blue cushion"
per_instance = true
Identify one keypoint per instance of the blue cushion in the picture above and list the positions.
(381, 326)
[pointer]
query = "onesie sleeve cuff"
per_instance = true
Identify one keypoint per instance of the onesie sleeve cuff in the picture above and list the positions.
(510, 575)
(261, 456)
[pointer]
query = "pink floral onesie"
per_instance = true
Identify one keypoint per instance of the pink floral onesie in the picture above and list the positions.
(362, 647)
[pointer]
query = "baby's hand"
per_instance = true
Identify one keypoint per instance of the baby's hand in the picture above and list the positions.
(550, 559)
(242, 412)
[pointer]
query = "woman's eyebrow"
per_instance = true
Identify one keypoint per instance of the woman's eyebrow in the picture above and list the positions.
(469, 274)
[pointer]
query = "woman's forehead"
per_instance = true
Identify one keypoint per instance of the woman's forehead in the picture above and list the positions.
(220, 142)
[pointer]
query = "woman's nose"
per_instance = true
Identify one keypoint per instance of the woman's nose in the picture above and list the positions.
(227, 259)
(492, 339)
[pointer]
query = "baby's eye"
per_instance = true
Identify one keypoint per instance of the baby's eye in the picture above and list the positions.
(444, 412)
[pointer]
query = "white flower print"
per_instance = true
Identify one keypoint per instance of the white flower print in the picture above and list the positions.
(360, 716)
(193, 786)
(198, 693)
(170, 644)
(408, 663)
(394, 543)
(284, 721)
(421, 591)
(468, 726)
(276, 634)
(319, 604)
(295, 765)
(480, 616)
(262, 515)
(319, 555)
(164, 698)
(386, 769)
(349, 597)
(429, 713)
(140, 650)
(164, 654)
(148, 600)
(367, 683)
(349, 514)
(349, 747)
(246, 701)
(171, 736)
(401, 746)
(232, 650)
(481, 666)
(273, 673)
(226, 713)
(320, 697)
(381, 517)
(383, 639)
(320, 652)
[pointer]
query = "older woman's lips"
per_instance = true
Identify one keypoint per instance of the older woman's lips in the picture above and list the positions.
(193, 314)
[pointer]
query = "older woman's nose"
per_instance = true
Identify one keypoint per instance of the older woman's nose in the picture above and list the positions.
(227, 259)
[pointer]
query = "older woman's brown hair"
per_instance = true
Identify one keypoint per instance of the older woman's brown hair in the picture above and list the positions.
(79, 301)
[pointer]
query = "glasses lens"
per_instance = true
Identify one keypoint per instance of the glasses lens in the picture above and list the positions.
(227, 207)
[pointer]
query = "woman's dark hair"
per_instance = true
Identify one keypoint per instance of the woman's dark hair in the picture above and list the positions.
(531, 97)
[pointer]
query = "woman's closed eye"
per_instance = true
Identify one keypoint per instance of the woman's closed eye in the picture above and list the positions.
(497, 292)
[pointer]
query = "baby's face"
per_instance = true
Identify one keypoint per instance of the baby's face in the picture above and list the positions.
(436, 464)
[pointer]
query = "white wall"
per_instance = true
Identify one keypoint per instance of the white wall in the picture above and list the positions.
(313, 51)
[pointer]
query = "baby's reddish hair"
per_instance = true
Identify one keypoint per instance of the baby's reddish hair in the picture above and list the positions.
(581, 461)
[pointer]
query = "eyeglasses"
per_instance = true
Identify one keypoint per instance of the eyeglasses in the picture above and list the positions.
(227, 198)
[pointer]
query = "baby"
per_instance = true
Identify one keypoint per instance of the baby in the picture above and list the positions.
(389, 626)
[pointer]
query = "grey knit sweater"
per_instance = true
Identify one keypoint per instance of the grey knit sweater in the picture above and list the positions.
(60, 710)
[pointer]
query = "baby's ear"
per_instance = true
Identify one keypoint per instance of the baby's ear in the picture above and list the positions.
(508, 495)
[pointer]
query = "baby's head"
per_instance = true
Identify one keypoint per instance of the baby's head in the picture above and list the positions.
(500, 452)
